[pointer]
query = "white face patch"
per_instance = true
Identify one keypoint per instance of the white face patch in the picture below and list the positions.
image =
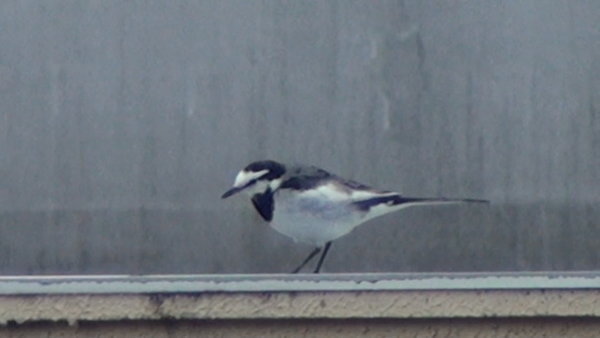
(274, 184)
(243, 177)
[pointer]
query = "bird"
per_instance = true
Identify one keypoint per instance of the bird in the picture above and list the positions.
(314, 206)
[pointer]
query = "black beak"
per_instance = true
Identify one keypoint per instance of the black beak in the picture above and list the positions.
(232, 191)
(235, 190)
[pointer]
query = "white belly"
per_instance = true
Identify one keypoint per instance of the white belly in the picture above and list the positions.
(313, 220)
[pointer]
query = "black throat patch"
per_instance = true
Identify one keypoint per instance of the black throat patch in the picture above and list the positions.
(263, 203)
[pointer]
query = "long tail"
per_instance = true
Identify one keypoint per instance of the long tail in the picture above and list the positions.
(381, 205)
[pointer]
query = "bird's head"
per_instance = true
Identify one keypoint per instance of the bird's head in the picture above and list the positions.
(257, 177)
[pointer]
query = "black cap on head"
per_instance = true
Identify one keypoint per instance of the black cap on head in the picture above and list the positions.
(275, 169)
(265, 171)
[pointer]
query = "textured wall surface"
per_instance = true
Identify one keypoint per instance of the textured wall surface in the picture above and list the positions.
(496, 327)
(122, 122)
(432, 304)
(514, 313)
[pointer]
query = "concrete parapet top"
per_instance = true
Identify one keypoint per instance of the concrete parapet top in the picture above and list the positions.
(100, 298)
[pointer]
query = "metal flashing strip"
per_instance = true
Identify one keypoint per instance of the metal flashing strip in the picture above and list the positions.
(123, 284)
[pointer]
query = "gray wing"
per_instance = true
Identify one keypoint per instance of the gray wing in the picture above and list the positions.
(310, 177)
(360, 196)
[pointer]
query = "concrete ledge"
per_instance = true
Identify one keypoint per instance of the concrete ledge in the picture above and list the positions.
(91, 284)
(281, 298)
(306, 305)
(484, 327)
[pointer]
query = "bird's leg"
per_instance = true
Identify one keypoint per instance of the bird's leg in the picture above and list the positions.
(327, 245)
(310, 256)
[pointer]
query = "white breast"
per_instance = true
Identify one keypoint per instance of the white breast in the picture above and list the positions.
(313, 217)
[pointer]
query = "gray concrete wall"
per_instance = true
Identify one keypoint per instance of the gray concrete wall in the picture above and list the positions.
(489, 327)
(122, 122)
(377, 313)
(483, 327)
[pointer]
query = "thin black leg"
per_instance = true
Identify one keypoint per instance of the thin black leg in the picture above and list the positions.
(310, 256)
(327, 245)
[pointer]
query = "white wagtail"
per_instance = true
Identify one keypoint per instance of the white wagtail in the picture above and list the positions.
(314, 206)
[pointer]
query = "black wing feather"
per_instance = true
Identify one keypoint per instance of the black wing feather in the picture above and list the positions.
(367, 204)
(304, 178)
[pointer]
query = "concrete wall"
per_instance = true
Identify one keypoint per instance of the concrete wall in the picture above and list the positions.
(489, 327)
(122, 122)
(487, 313)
